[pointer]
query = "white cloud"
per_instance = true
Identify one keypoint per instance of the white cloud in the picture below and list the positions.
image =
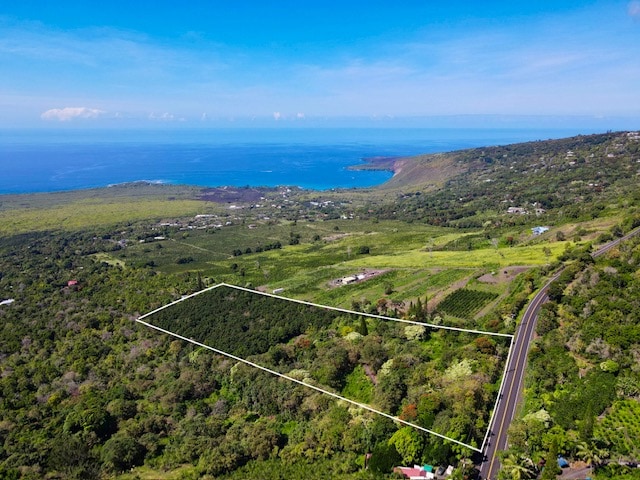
(166, 116)
(548, 64)
(69, 113)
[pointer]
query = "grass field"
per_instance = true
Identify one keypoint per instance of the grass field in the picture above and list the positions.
(87, 213)
(405, 256)
(412, 260)
(485, 258)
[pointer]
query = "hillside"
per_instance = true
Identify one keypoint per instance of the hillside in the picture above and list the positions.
(86, 392)
(573, 178)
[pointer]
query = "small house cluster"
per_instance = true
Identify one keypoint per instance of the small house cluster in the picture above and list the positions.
(633, 135)
(537, 209)
(419, 472)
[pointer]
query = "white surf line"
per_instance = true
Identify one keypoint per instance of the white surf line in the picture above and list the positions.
(344, 310)
(300, 382)
(495, 406)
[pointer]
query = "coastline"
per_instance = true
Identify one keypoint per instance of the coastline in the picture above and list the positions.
(312, 160)
(386, 164)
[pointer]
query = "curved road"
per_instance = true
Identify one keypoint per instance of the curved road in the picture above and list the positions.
(514, 374)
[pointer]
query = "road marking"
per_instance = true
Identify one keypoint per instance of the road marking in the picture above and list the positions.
(540, 298)
(500, 390)
(507, 398)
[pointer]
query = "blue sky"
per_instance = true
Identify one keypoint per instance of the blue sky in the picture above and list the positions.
(317, 62)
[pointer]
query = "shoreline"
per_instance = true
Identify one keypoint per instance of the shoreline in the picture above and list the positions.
(324, 161)
(386, 164)
(381, 164)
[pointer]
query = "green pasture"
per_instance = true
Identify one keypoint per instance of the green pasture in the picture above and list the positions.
(483, 258)
(404, 256)
(320, 244)
(109, 259)
(91, 213)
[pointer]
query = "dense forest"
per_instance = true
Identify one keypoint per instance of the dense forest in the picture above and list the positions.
(88, 392)
(390, 365)
(240, 322)
(85, 390)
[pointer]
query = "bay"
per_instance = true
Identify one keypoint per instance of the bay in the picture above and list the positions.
(313, 158)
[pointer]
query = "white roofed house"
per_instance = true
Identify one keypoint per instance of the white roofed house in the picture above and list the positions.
(539, 230)
(517, 210)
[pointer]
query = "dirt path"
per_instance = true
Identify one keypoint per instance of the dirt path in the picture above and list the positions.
(576, 473)
(504, 274)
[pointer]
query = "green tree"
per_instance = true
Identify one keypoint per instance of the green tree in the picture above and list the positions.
(121, 452)
(551, 469)
(72, 457)
(516, 467)
(362, 327)
(591, 454)
(408, 443)
(383, 458)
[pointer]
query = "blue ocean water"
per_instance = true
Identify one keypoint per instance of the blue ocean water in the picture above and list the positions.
(65, 159)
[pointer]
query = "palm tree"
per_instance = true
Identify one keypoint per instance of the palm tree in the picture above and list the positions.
(591, 454)
(517, 467)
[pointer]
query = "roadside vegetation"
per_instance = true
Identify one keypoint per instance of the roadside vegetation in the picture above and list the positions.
(583, 385)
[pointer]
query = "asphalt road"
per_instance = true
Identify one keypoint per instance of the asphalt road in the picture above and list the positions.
(514, 375)
(512, 386)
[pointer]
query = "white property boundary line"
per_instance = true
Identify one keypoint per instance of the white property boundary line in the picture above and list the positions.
(313, 387)
(327, 307)
(498, 397)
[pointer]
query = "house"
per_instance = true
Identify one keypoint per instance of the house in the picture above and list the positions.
(72, 283)
(348, 280)
(539, 230)
(518, 210)
(416, 472)
(278, 291)
(8, 301)
(634, 135)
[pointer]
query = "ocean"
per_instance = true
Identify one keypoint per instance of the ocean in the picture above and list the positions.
(313, 158)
